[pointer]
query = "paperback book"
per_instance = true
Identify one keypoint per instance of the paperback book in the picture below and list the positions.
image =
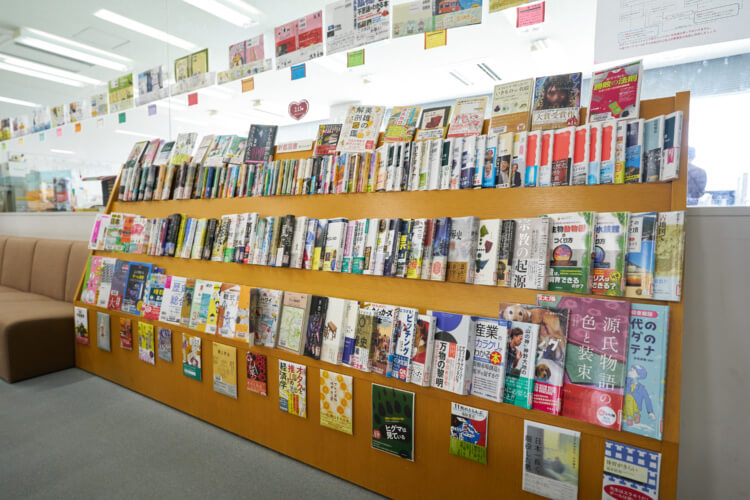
(393, 421)
(520, 366)
(641, 255)
(293, 388)
(630, 472)
(420, 369)
(225, 369)
(165, 344)
(146, 349)
(315, 325)
(126, 334)
(453, 360)
(610, 247)
(81, 317)
(616, 92)
(551, 461)
(257, 373)
(102, 332)
(488, 373)
(336, 401)
(670, 250)
(469, 432)
(530, 253)
(191, 356)
(294, 314)
(572, 244)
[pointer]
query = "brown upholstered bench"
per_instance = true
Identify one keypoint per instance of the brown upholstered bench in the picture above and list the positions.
(38, 280)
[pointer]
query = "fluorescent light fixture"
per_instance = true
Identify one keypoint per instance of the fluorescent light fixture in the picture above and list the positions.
(38, 74)
(19, 102)
(222, 12)
(135, 134)
(68, 48)
(246, 7)
(62, 151)
(143, 29)
(23, 63)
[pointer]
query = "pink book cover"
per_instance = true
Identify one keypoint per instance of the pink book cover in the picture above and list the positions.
(596, 358)
(254, 49)
(92, 285)
(285, 38)
(237, 54)
(310, 29)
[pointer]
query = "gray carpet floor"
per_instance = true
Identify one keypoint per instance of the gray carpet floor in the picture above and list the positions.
(73, 435)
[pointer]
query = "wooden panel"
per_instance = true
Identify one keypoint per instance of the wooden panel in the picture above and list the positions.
(435, 472)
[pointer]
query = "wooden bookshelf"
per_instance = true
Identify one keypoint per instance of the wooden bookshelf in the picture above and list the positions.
(435, 473)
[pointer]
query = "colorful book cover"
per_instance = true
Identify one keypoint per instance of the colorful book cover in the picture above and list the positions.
(521, 364)
(455, 342)
(616, 93)
(165, 344)
(487, 252)
(191, 356)
(172, 301)
(382, 341)
(225, 369)
(469, 432)
(257, 373)
(187, 301)
(670, 250)
(634, 151)
(119, 283)
(393, 421)
(641, 255)
(336, 401)
(609, 151)
(433, 123)
(361, 357)
(314, 328)
(402, 343)
(227, 309)
(293, 388)
(530, 253)
(551, 458)
(571, 247)
(146, 349)
(266, 316)
(299, 41)
(260, 142)
(82, 325)
(511, 106)
(126, 334)
(468, 117)
(237, 54)
(420, 369)
(412, 18)
(402, 124)
(643, 409)
(610, 247)
(488, 377)
(630, 472)
(136, 285)
(464, 234)
(361, 128)
(456, 13)
(595, 361)
(557, 101)
(328, 139)
(102, 332)
(153, 295)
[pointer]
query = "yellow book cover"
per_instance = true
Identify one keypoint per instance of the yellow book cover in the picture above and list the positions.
(212, 315)
(336, 401)
(293, 388)
(402, 124)
(225, 369)
(146, 342)
(199, 62)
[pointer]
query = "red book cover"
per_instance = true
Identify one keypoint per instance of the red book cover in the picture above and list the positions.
(257, 373)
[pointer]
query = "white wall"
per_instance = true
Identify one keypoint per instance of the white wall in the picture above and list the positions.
(714, 456)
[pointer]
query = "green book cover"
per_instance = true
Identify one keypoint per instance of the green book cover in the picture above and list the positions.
(610, 248)
(393, 421)
(191, 356)
(520, 364)
(469, 432)
(572, 245)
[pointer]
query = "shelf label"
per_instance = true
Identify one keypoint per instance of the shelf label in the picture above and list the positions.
(299, 71)
(355, 58)
(248, 84)
(434, 39)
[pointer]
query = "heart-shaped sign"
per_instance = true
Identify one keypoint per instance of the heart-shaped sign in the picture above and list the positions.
(298, 109)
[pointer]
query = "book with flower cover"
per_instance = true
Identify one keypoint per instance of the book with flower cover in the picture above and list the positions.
(293, 388)
(610, 247)
(571, 247)
(257, 373)
(641, 255)
(488, 377)
(453, 358)
(596, 357)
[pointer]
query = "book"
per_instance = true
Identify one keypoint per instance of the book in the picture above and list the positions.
(571, 244)
(293, 388)
(293, 324)
(402, 124)
(505, 252)
(267, 314)
(670, 168)
(153, 295)
(595, 361)
(340, 319)
(487, 252)
(146, 349)
(630, 472)
(563, 150)
(511, 106)
(126, 334)
(225, 369)
(581, 153)
(132, 301)
(532, 158)
(609, 151)
(455, 342)
(102, 332)
(557, 101)
(469, 432)
(641, 255)
(643, 408)
(393, 421)
(81, 317)
(464, 234)
(227, 309)
(670, 252)
(610, 247)
(334, 244)
(520, 365)
(165, 344)
(336, 401)
(544, 177)
(257, 373)
(488, 373)
(433, 123)
(359, 133)
(361, 356)
(328, 139)
(621, 151)
(468, 116)
(382, 340)
(634, 151)
(313, 341)
(402, 343)
(653, 149)
(420, 368)
(321, 228)
(119, 283)
(191, 356)
(616, 92)
(551, 461)
(530, 253)
(595, 154)
(260, 142)
(187, 302)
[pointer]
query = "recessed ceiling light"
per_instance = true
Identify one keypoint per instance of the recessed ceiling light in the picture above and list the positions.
(19, 102)
(39, 74)
(62, 151)
(143, 29)
(222, 12)
(68, 48)
(23, 63)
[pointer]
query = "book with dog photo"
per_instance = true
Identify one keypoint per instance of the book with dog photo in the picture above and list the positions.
(453, 360)
(551, 346)
(610, 244)
(571, 245)
(643, 409)
(488, 377)
(641, 255)
(519, 368)
(593, 388)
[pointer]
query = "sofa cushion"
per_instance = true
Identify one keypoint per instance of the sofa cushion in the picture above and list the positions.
(49, 267)
(3, 239)
(17, 257)
(35, 340)
(79, 255)
(13, 295)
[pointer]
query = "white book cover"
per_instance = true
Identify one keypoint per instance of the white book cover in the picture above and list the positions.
(332, 349)
(95, 231)
(518, 163)
(653, 148)
(479, 156)
(672, 142)
(468, 162)
(488, 373)
(420, 369)
(429, 238)
(462, 254)
(458, 148)
(351, 318)
(531, 253)
(310, 232)
(434, 170)
(105, 281)
(335, 241)
(199, 239)
(544, 176)
(595, 153)
(504, 159)
(298, 242)
(487, 252)
(346, 263)
(267, 316)
(414, 264)
(579, 174)
(446, 161)
(453, 359)
(381, 251)
(419, 152)
(371, 245)
(171, 302)
(402, 343)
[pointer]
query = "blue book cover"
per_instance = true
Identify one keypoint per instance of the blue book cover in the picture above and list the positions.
(634, 151)
(489, 170)
(630, 472)
(467, 167)
(641, 255)
(136, 284)
(643, 408)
